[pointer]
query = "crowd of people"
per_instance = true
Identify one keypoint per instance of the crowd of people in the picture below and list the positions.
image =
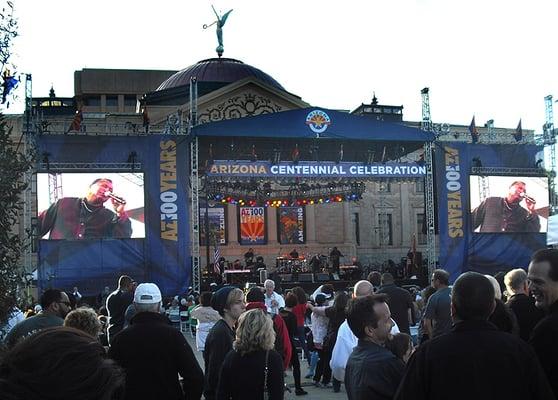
(483, 337)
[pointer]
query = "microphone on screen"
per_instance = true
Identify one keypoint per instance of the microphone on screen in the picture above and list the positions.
(528, 198)
(116, 198)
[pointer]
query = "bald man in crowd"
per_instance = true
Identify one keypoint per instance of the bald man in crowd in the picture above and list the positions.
(346, 339)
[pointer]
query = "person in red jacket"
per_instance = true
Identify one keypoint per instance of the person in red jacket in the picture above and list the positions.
(255, 299)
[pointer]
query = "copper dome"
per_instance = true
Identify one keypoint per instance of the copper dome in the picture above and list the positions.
(226, 70)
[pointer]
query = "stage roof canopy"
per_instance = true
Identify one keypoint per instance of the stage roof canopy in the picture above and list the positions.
(308, 123)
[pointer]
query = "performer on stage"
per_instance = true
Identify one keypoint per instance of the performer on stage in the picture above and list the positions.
(259, 263)
(87, 218)
(334, 257)
(315, 264)
(249, 257)
(294, 254)
(504, 214)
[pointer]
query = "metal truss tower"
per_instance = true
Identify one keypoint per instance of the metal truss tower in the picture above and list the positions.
(426, 125)
(54, 187)
(549, 137)
(29, 150)
(195, 185)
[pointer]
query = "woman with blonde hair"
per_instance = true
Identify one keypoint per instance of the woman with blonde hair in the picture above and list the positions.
(253, 367)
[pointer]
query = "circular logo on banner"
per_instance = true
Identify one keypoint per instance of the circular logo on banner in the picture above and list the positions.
(318, 121)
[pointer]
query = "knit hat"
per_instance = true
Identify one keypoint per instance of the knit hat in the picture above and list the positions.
(255, 294)
(219, 298)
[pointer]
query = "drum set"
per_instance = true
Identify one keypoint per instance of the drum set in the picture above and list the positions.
(288, 265)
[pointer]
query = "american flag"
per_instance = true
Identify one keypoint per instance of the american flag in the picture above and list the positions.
(518, 135)
(216, 257)
(474, 131)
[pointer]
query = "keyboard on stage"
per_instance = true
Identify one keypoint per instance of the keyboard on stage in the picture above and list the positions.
(237, 271)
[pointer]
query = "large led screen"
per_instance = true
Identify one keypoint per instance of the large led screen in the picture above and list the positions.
(502, 204)
(78, 206)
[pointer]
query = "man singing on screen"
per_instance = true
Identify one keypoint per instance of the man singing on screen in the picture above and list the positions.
(497, 214)
(87, 218)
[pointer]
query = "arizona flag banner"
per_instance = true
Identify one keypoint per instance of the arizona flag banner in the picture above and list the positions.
(252, 225)
(76, 122)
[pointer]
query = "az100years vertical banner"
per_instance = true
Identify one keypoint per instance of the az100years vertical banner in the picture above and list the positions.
(252, 225)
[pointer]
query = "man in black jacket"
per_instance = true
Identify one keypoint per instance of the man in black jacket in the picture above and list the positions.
(543, 283)
(153, 353)
(229, 303)
(519, 301)
(117, 303)
(399, 301)
(373, 372)
(474, 360)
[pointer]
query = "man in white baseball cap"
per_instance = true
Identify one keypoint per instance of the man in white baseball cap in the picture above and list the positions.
(151, 344)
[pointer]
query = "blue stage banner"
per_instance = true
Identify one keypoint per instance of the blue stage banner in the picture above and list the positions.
(461, 249)
(453, 199)
(163, 256)
(168, 217)
(309, 169)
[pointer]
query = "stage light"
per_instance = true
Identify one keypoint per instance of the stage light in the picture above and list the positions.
(276, 156)
(267, 189)
(312, 202)
(314, 151)
(370, 156)
(46, 161)
(340, 154)
(132, 158)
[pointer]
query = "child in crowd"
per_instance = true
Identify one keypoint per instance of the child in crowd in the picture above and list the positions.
(401, 345)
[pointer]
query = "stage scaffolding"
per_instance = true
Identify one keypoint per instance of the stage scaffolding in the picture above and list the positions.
(33, 126)
(29, 149)
(427, 125)
(195, 187)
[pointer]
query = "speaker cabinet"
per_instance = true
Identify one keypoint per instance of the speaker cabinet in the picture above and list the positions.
(305, 278)
(286, 277)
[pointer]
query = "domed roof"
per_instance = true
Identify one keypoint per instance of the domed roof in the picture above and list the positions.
(226, 70)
